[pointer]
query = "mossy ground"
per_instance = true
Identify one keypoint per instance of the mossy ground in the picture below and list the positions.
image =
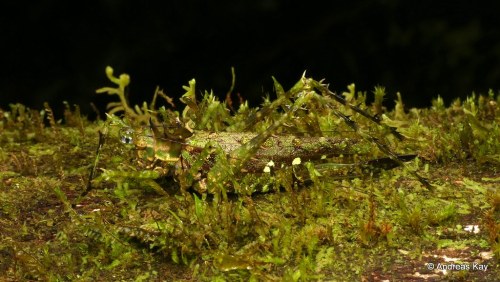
(387, 227)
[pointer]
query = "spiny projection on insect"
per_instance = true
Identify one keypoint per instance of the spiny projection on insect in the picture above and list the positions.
(306, 134)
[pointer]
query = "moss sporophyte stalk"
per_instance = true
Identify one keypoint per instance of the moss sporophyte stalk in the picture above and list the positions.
(311, 185)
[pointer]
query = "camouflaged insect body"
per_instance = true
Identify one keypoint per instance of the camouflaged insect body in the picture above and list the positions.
(211, 150)
(277, 152)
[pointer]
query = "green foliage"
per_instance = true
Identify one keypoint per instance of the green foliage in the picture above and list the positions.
(136, 225)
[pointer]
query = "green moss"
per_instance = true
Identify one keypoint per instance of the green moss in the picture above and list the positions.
(135, 224)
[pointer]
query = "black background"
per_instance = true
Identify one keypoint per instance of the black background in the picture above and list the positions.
(58, 50)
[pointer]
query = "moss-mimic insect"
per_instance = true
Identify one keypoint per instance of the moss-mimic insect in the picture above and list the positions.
(307, 134)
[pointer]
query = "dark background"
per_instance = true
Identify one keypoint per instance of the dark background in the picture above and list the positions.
(58, 50)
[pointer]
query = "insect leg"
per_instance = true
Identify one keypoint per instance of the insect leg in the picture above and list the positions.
(375, 119)
(382, 147)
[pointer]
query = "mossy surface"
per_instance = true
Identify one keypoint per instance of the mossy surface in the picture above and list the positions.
(125, 229)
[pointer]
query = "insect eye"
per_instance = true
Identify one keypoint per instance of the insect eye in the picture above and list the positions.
(126, 136)
(126, 139)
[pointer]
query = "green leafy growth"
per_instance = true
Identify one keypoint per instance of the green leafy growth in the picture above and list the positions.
(122, 82)
(137, 226)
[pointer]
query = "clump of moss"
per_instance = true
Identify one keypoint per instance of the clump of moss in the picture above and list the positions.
(338, 229)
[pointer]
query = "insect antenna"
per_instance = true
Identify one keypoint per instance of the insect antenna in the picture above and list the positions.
(96, 161)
